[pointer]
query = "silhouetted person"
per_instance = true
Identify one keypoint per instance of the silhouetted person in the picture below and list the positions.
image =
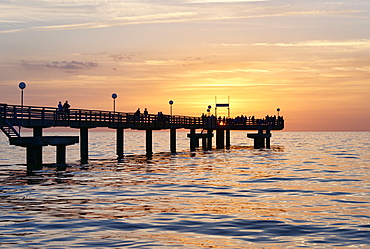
(66, 107)
(137, 114)
(146, 114)
(60, 110)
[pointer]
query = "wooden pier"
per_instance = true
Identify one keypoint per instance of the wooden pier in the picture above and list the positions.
(37, 118)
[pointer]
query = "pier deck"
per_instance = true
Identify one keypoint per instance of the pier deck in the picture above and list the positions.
(38, 118)
(31, 116)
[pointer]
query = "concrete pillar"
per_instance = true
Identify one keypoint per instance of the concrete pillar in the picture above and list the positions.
(120, 143)
(227, 139)
(149, 142)
(61, 154)
(268, 144)
(262, 141)
(259, 142)
(32, 160)
(220, 137)
(37, 132)
(204, 143)
(84, 145)
(193, 140)
(196, 142)
(209, 139)
(255, 143)
(173, 140)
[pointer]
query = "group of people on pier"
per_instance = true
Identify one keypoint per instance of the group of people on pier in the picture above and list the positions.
(146, 117)
(63, 110)
(243, 120)
(63, 113)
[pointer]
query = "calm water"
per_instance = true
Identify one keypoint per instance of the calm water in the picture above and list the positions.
(311, 190)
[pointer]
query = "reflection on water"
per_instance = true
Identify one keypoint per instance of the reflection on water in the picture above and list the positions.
(310, 190)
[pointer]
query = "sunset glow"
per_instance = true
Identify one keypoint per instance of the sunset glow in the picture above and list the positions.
(311, 59)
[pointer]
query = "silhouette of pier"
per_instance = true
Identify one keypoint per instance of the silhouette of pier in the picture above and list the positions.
(38, 118)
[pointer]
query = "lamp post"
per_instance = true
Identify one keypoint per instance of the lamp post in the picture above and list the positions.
(278, 110)
(114, 96)
(171, 103)
(22, 86)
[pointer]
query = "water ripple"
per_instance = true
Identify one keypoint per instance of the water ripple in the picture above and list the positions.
(310, 190)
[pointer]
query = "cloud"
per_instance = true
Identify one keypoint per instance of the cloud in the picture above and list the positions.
(61, 65)
(227, 1)
(22, 16)
(320, 43)
(362, 43)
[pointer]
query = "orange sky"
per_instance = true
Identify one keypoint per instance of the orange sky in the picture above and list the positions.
(310, 59)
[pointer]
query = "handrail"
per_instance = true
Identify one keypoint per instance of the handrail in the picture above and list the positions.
(95, 118)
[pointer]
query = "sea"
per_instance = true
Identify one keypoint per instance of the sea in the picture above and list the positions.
(310, 190)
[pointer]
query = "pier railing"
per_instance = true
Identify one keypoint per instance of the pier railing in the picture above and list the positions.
(32, 116)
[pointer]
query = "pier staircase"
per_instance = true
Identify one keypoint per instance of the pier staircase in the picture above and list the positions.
(9, 130)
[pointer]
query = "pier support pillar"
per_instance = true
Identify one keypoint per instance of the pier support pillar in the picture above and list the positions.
(37, 132)
(173, 140)
(84, 145)
(32, 145)
(259, 142)
(120, 143)
(227, 138)
(204, 143)
(260, 138)
(193, 140)
(209, 139)
(196, 142)
(149, 142)
(61, 154)
(220, 139)
(195, 137)
(268, 138)
(32, 158)
(268, 143)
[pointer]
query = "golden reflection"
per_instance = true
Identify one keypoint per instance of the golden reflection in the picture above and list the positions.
(173, 238)
(309, 189)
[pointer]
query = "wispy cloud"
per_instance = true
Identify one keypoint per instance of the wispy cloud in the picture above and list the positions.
(320, 43)
(60, 65)
(226, 1)
(118, 21)
(362, 43)
(43, 15)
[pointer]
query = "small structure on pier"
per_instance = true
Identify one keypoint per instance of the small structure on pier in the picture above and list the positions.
(34, 148)
(259, 139)
(196, 137)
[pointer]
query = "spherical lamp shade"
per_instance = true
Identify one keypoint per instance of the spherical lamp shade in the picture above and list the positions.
(22, 85)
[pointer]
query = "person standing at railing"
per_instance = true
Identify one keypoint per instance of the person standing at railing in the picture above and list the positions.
(146, 115)
(137, 114)
(60, 110)
(66, 107)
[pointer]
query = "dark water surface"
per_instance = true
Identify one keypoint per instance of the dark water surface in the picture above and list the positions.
(311, 190)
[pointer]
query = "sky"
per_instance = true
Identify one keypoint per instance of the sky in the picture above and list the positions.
(310, 58)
